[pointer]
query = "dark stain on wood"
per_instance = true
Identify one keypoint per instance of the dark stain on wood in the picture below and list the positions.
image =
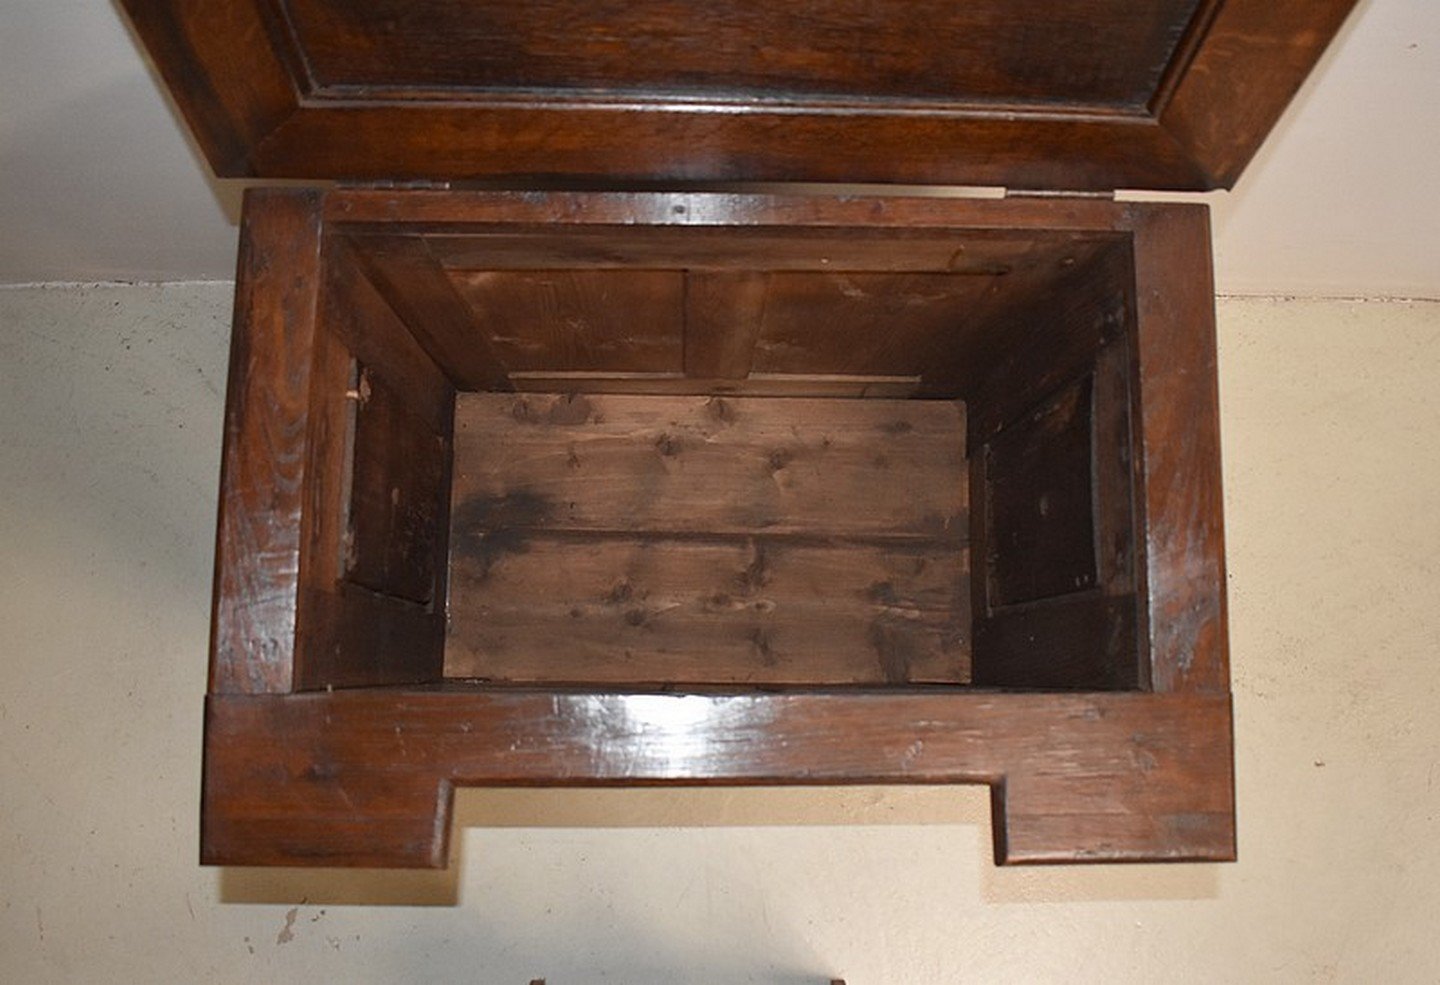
(620, 594)
(668, 445)
(699, 526)
(757, 573)
(780, 458)
(569, 408)
(486, 529)
(721, 411)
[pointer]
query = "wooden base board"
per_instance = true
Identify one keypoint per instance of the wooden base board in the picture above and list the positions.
(365, 777)
(691, 540)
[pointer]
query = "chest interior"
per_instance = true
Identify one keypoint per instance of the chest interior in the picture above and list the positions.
(675, 457)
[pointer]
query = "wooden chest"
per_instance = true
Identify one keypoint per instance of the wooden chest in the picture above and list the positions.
(545, 465)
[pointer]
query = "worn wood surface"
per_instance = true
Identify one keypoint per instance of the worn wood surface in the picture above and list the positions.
(619, 538)
(717, 233)
(1242, 67)
(1053, 480)
(1172, 94)
(1041, 502)
(579, 320)
(923, 50)
(365, 777)
(745, 306)
(409, 277)
(823, 468)
(1180, 491)
(266, 453)
(373, 570)
(397, 500)
(723, 318)
(667, 611)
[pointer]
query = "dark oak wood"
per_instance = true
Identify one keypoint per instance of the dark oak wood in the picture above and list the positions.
(1178, 467)
(719, 441)
(688, 540)
(1041, 502)
(1169, 94)
(924, 50)
(579, 320)
(266, 448)
(1054, 524)
(396, 497)
(371, 608)
(409, 277)
(1243, 71)
(724, 315)
(801, 565)
(365, 777)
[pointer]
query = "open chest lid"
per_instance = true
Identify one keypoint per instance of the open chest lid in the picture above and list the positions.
(1045, 94)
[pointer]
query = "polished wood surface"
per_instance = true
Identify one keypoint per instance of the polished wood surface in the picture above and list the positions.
(1178, 469)
(815, 617)
(1071, 94)
(266, 453)
(920, 50)
(365, 777)
(705, 540)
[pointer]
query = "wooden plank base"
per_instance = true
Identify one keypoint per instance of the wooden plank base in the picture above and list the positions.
(365, 777)
(637, 540)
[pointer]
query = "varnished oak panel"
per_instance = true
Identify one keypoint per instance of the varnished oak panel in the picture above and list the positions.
(266, 453)
(578, 320)
(921, 50)
(1167, 94)
(365, 777)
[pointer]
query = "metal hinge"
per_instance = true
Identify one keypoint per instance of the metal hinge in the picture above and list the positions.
(399, 185)
(1058, 193)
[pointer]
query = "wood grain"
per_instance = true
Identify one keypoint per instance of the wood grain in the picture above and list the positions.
(409, 277)
(1241, 76)
(644, 49)
(728, 545)
(627, 539)
(370, 609)
(864, 323)
(675, 611)
(1180, 490)
(396, 500)
(679, 232)
(1173, 94)
(1053, 484)
(265, 458)
(586, 320)
(736, 466)
(365, 777)
(724, 316)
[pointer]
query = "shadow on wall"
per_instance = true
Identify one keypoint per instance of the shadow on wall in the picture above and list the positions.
(964, 807)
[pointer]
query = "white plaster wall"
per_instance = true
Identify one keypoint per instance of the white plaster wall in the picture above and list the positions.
(110, 402)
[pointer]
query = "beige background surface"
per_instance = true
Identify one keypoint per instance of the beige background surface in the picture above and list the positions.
(110, 402)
